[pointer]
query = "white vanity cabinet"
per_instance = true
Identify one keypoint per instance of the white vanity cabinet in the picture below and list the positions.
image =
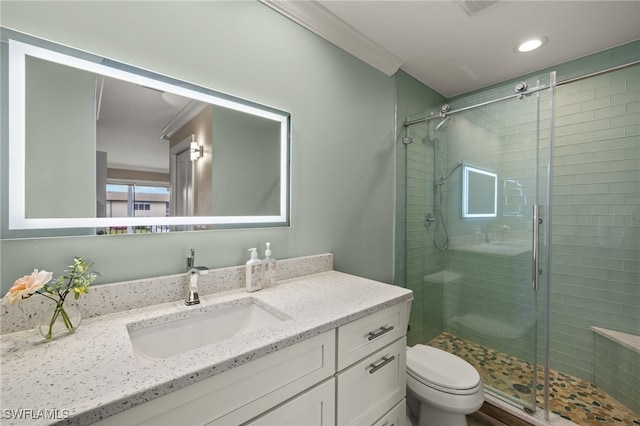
(315, 407)
(369, 385)
(397, 416)
(352, 375)
(336, 358)
(242, 393)
(371, 377)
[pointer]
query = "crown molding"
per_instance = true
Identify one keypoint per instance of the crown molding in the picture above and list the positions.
(186, 114)
(317, 19)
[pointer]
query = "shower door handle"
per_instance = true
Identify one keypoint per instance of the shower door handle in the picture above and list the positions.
(535, 267)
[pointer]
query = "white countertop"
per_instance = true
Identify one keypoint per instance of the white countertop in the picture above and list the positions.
(95, 373)
(496, 248)
(517, 243)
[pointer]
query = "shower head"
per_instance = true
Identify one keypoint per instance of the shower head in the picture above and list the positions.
(443, 126)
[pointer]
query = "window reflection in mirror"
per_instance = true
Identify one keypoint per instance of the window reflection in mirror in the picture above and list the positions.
(514, 198)
(479, 192)
(80, 129)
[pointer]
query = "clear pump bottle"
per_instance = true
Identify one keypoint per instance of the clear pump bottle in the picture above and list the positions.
(268, 269)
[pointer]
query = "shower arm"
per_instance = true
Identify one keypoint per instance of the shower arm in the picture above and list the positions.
(443, 178)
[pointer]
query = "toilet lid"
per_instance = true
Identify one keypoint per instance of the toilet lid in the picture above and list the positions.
(440, 368)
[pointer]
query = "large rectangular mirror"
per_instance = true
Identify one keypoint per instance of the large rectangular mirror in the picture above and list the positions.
(479, 192)
(99, 144)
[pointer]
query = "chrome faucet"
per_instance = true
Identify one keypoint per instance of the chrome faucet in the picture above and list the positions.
(191, 259)
(486, 233)
(194, 272)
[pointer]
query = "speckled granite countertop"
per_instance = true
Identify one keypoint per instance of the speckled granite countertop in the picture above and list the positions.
(95, 373)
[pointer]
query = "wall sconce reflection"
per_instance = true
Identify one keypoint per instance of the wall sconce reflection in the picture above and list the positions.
(195, 150)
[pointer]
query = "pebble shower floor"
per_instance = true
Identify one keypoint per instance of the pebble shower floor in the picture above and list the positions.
(574, 399)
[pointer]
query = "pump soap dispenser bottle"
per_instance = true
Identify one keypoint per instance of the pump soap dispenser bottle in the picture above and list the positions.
(253, 280)
(269, 269)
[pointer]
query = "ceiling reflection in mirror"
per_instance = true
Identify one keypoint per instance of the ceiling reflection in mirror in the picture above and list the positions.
(102, 145)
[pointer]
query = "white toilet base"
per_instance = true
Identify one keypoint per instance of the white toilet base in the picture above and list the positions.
(431, 416)
(447, 400)
(426, 413)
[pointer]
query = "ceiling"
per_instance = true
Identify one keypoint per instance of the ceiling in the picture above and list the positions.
(132, 120)
(436, 42)
(453, 51)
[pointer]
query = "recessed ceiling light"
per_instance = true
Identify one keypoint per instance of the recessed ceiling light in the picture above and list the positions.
(531, 44)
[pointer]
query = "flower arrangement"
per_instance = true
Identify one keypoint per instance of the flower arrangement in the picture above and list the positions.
(76, 281)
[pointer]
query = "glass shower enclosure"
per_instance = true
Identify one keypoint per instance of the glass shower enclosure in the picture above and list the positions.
(490, 200)
(504, 192)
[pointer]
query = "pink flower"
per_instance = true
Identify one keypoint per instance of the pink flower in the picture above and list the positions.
(26, 286)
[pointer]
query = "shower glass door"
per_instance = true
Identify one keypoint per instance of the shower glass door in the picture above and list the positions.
(491, 161)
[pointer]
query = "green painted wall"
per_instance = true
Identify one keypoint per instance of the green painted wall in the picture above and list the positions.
(65, 112)
(239, 136)
(343, 141)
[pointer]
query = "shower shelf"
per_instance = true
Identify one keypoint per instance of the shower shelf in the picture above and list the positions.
(629, 341)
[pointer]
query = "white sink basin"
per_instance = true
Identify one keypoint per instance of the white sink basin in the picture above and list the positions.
(193, 328)
(500, 248)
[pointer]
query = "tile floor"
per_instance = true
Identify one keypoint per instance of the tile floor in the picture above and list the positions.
(574, 399)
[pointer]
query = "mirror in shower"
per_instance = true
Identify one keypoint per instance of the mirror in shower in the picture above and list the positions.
(479, 192)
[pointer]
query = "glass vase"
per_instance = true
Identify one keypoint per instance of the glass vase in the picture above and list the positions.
(59, 321)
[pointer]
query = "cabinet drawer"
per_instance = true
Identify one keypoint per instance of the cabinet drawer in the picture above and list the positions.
(396, 417)
(315, 407)
(370, 388)
(360, 338)
(242, 393)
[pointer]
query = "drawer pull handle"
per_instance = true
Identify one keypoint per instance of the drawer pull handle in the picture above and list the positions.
(376, 334)
(384, 361)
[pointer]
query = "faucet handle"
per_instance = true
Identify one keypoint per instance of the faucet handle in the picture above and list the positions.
(191, 260)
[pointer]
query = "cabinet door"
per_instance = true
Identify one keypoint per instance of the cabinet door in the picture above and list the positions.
(370, 388)
(316, 407)
(396, 417)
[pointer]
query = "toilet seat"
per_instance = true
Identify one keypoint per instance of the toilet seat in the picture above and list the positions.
(442, 371)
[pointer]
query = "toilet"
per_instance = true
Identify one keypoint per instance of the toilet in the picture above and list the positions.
(441, 388)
